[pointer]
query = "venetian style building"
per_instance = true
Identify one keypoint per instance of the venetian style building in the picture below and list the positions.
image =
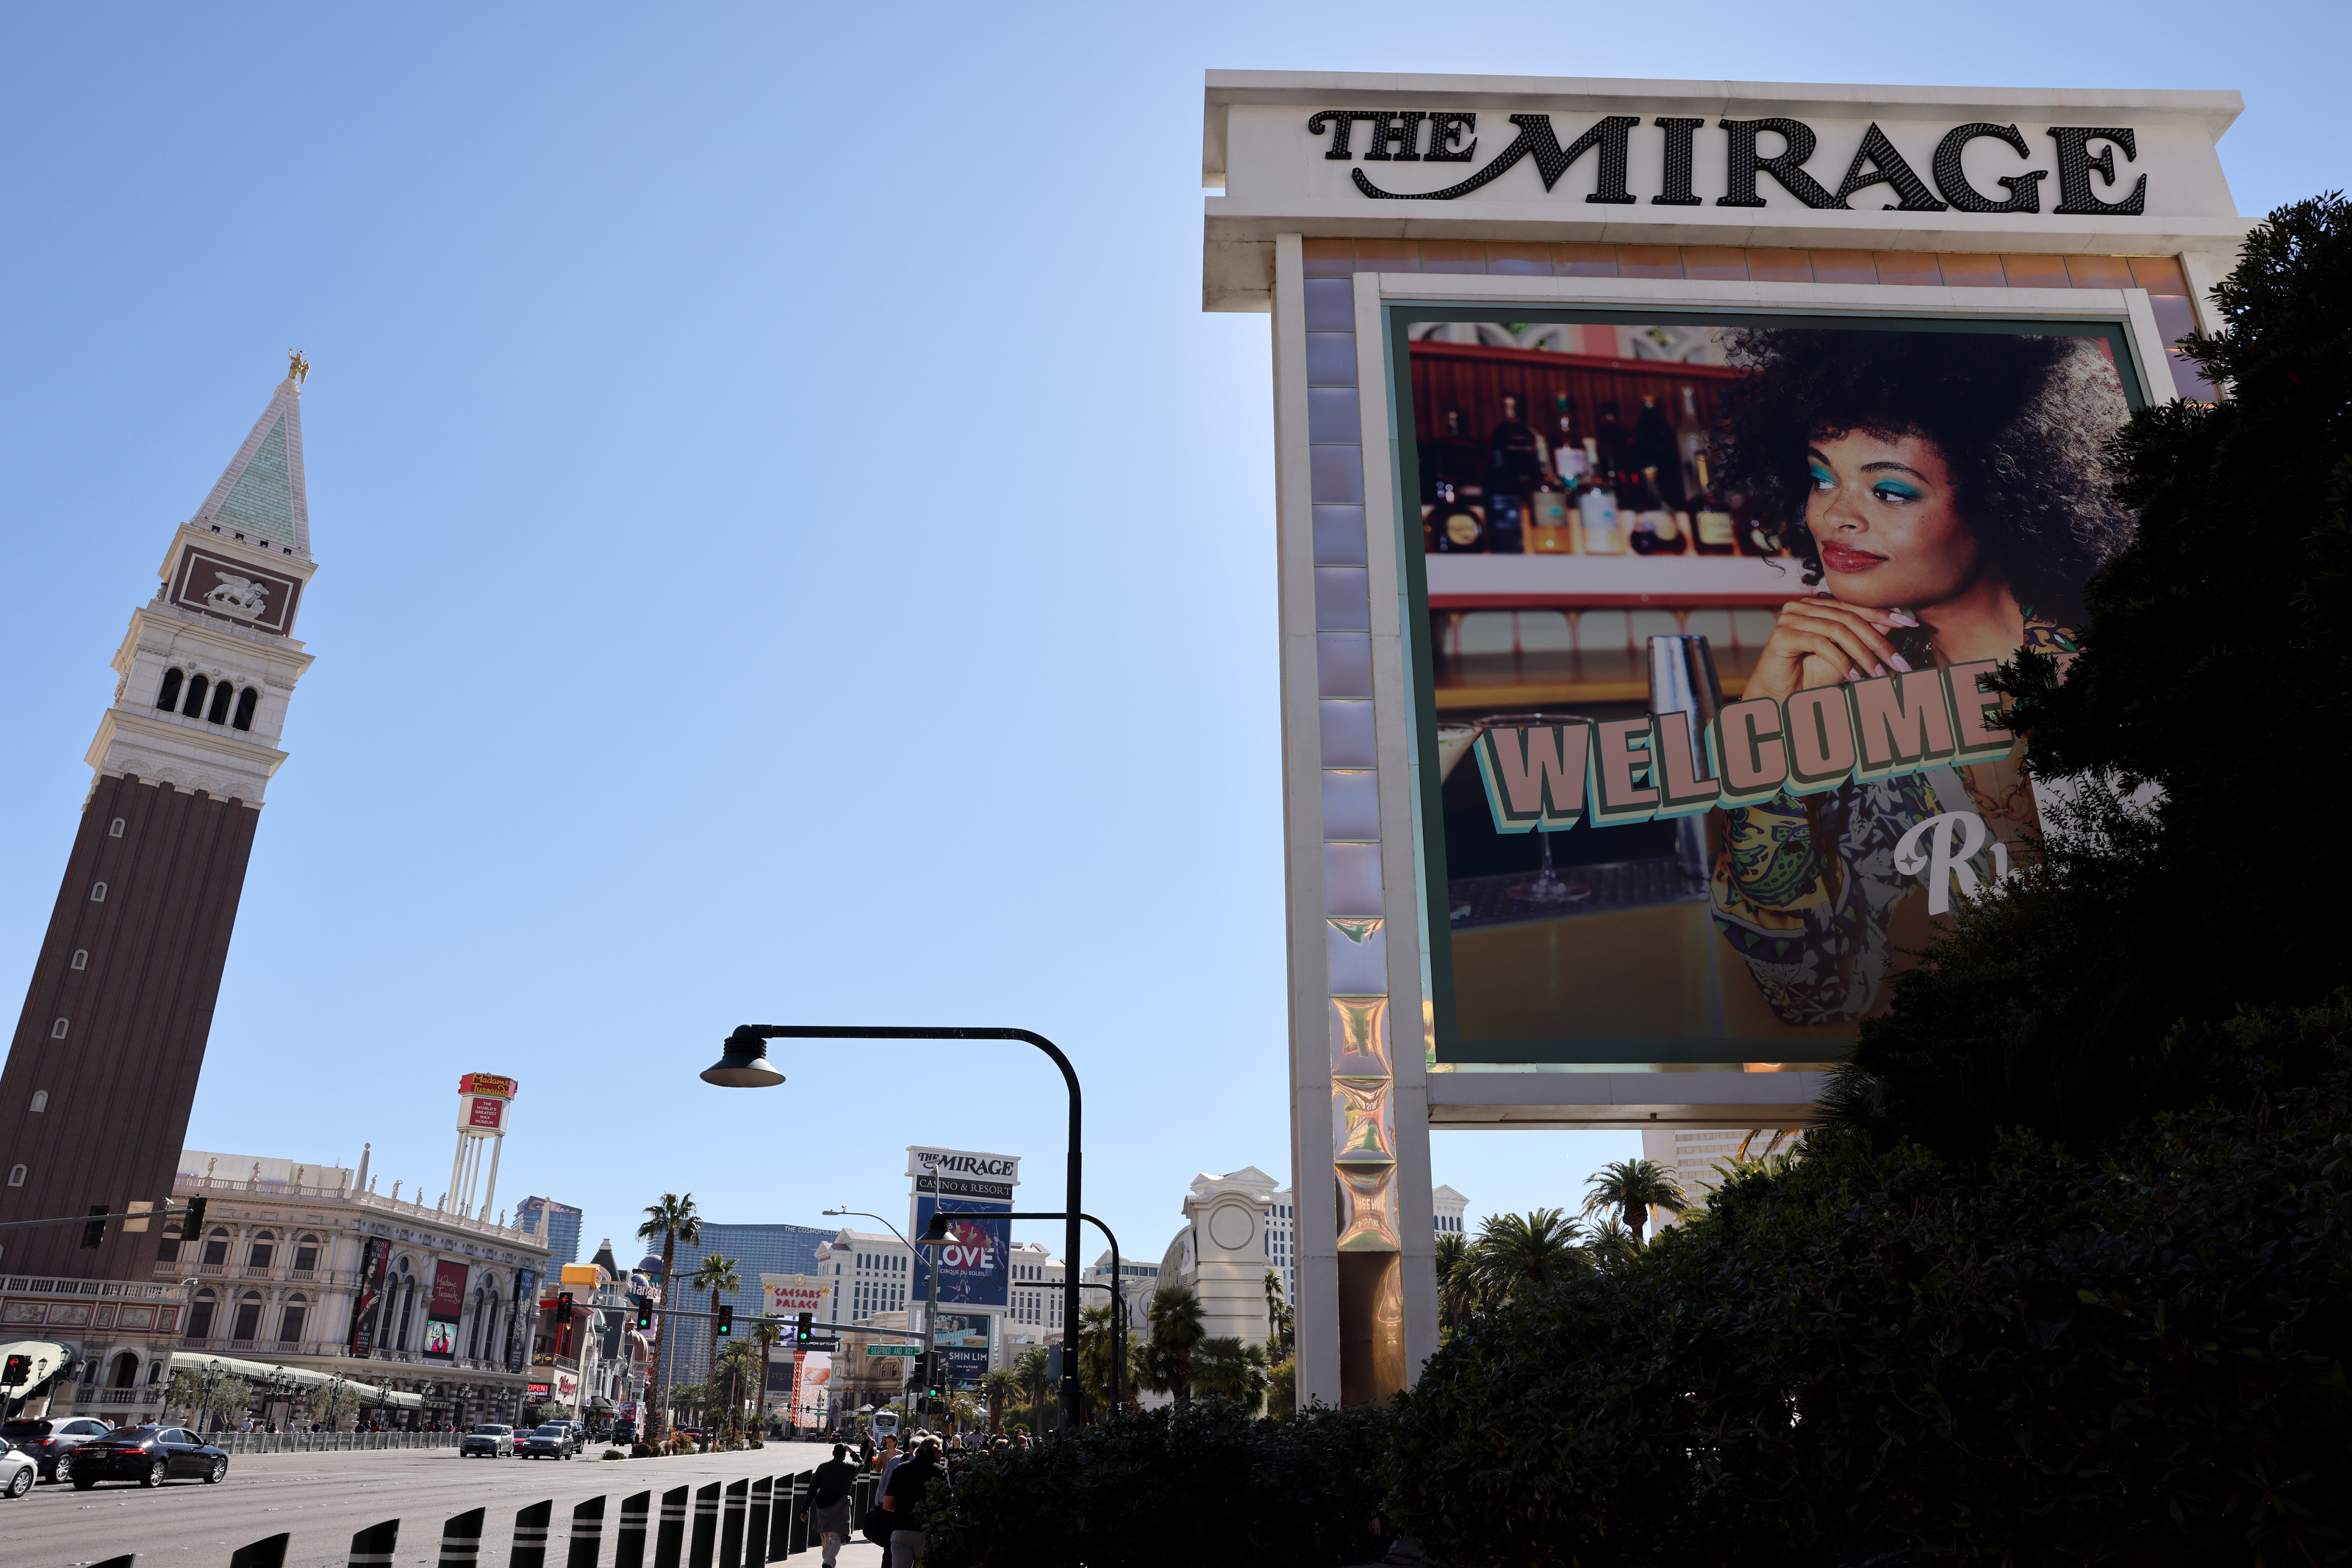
(95, 1095)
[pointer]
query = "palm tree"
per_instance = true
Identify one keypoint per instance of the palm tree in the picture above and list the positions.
(1522, 1251)
(1034, 1368)
(1176, 1328)
(718, 1276)
(1457, 1291)
(672, 1220)
(1097, 1345)
(765, 1333)
(1228, 1369)
(1633, 1188)
(1613, 1246)
(1279, 1319)
(1000, 1386)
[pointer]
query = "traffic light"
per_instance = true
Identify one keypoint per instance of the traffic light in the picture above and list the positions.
(18, 1366)
(94, 1233)
(192, 1221)
(562, 1308)
(726, 1321)
(644, 1313)
(804, 1329)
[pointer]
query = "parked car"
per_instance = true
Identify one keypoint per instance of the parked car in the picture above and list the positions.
(625, 1430)
(489, 1441)
(18, 1471)
(552, 1441)
(47, 1443)
(150, 1456)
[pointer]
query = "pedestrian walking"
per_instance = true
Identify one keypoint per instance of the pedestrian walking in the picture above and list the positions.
(828, 1513)
(902, 1499)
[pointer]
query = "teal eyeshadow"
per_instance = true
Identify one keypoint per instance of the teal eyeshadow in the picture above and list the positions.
(1896, 487)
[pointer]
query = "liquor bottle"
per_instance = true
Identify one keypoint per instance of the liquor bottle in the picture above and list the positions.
(1651, 529)
(1549, 528)
(1717, 533)
(1611, 451)
(1690, 440)
(1452, 459)
(1506, 510)
(1596, 509)
(1653, 447)
(1567, 450)
(1516, 456)
(1456, 526)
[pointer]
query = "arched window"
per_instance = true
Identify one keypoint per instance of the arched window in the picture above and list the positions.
(169, 697)
(40, 1100)
(126, 1371)
(217, 1246)
(154, 1372)
(223, 695)
(264, 1248)
(290, 1325)
(114, 829)
(195, 706)
(82, 958)
(306, 1253)
(97, 893)
(248, 1316)
(200, 1314)
(57, 1030)
(405, 1287)
(15, 1176)
(247, 701)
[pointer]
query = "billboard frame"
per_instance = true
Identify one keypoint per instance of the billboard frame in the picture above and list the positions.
(2126, 324)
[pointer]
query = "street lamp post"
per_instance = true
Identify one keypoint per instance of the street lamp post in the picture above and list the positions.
(744, 1065)
(927, 1330)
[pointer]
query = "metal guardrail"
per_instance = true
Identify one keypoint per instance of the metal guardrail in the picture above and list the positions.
(326, 1442)
(721, 1524)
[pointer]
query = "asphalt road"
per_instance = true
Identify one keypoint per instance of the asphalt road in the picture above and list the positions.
(324, 1499)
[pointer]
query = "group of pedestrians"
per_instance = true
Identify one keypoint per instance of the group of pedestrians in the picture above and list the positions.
(896, 1523)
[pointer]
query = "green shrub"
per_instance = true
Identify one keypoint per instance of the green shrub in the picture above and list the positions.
(2042, 1358)
(1199, 1485)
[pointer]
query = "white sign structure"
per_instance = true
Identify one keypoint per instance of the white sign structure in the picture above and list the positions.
(485, 1103)
(1006, 1168)
(789, 1295)
(1493, 239)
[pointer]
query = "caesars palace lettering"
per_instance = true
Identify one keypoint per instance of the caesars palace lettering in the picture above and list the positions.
(1450, 136)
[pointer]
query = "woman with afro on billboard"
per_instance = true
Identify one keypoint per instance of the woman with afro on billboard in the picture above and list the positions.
(1945, 496)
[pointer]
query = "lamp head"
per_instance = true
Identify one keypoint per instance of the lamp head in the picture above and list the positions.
(743, 1064)
(936, 1230)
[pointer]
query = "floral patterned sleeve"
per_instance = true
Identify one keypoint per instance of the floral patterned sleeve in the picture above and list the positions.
(1803, 889)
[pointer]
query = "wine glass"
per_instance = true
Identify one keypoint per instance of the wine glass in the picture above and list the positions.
(1547, 887)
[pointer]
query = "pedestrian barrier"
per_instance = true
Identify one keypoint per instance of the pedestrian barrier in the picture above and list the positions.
(735, 1524)
(326, 1442)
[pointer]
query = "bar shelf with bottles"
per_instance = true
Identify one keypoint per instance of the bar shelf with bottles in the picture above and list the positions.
(1570, 514)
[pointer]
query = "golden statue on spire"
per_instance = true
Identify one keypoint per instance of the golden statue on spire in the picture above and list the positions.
(298, 369)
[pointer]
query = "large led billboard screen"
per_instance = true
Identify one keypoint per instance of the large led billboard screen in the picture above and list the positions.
(1697, 608)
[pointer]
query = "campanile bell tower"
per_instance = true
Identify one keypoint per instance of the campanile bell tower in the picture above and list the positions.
(95, 1096)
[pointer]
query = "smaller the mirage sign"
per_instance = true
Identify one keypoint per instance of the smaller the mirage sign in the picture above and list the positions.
(1003, 1169)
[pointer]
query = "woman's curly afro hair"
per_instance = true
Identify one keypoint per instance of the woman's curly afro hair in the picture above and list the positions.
(2022, 422)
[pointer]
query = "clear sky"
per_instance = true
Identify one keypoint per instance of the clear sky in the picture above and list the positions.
(792, 547)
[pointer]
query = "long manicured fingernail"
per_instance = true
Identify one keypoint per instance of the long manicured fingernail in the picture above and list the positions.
(1901, 618)
(1877, 669)
(1852, 675)
(1899, 662)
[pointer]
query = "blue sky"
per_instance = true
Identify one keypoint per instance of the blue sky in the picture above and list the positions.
(792, 546)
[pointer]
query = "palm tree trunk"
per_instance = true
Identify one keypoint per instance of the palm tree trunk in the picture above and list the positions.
(657, 1408)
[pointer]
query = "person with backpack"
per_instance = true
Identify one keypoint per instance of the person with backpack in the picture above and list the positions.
(828, 1511)
(902, 1499)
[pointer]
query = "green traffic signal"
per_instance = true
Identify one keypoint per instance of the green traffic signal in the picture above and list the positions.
(726, 1321)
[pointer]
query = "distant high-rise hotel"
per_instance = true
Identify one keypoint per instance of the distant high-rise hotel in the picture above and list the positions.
(562, 1227)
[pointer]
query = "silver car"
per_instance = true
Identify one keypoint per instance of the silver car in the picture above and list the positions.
(487, 1441)
(18, 1471)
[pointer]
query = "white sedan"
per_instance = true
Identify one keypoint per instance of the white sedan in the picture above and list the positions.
(18, 1471)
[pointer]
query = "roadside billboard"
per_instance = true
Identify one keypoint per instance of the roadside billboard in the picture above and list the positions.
(969, 1188)
(1698, 611)
(789, 1295)
(812, 1388)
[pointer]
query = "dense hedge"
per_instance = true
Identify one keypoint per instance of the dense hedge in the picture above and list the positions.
(2043, 1359)
(1183, 1487)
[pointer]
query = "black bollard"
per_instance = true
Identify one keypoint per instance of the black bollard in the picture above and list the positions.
(128, 1559)
(461, 1538)
(269, 1553)
(803, 1526)
(669, 1544)
(780, 1519)
(530, 1536)
(755, 1523)
(703, 1544)
(731, 1525)
(587, 1534)
(629, 1548)
(374, 1546)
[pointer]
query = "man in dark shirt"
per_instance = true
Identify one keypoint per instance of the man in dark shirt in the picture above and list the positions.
(903, 1499)
(829, 1501)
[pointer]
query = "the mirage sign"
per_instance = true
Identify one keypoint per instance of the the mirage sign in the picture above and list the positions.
(1006, 1168)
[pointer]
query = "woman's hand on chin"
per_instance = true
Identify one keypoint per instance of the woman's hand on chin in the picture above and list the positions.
(1820, 641)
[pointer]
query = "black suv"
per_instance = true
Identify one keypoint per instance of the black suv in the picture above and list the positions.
(49, 1444)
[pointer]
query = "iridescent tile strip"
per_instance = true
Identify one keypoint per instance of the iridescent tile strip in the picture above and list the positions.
(1363, 1113)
